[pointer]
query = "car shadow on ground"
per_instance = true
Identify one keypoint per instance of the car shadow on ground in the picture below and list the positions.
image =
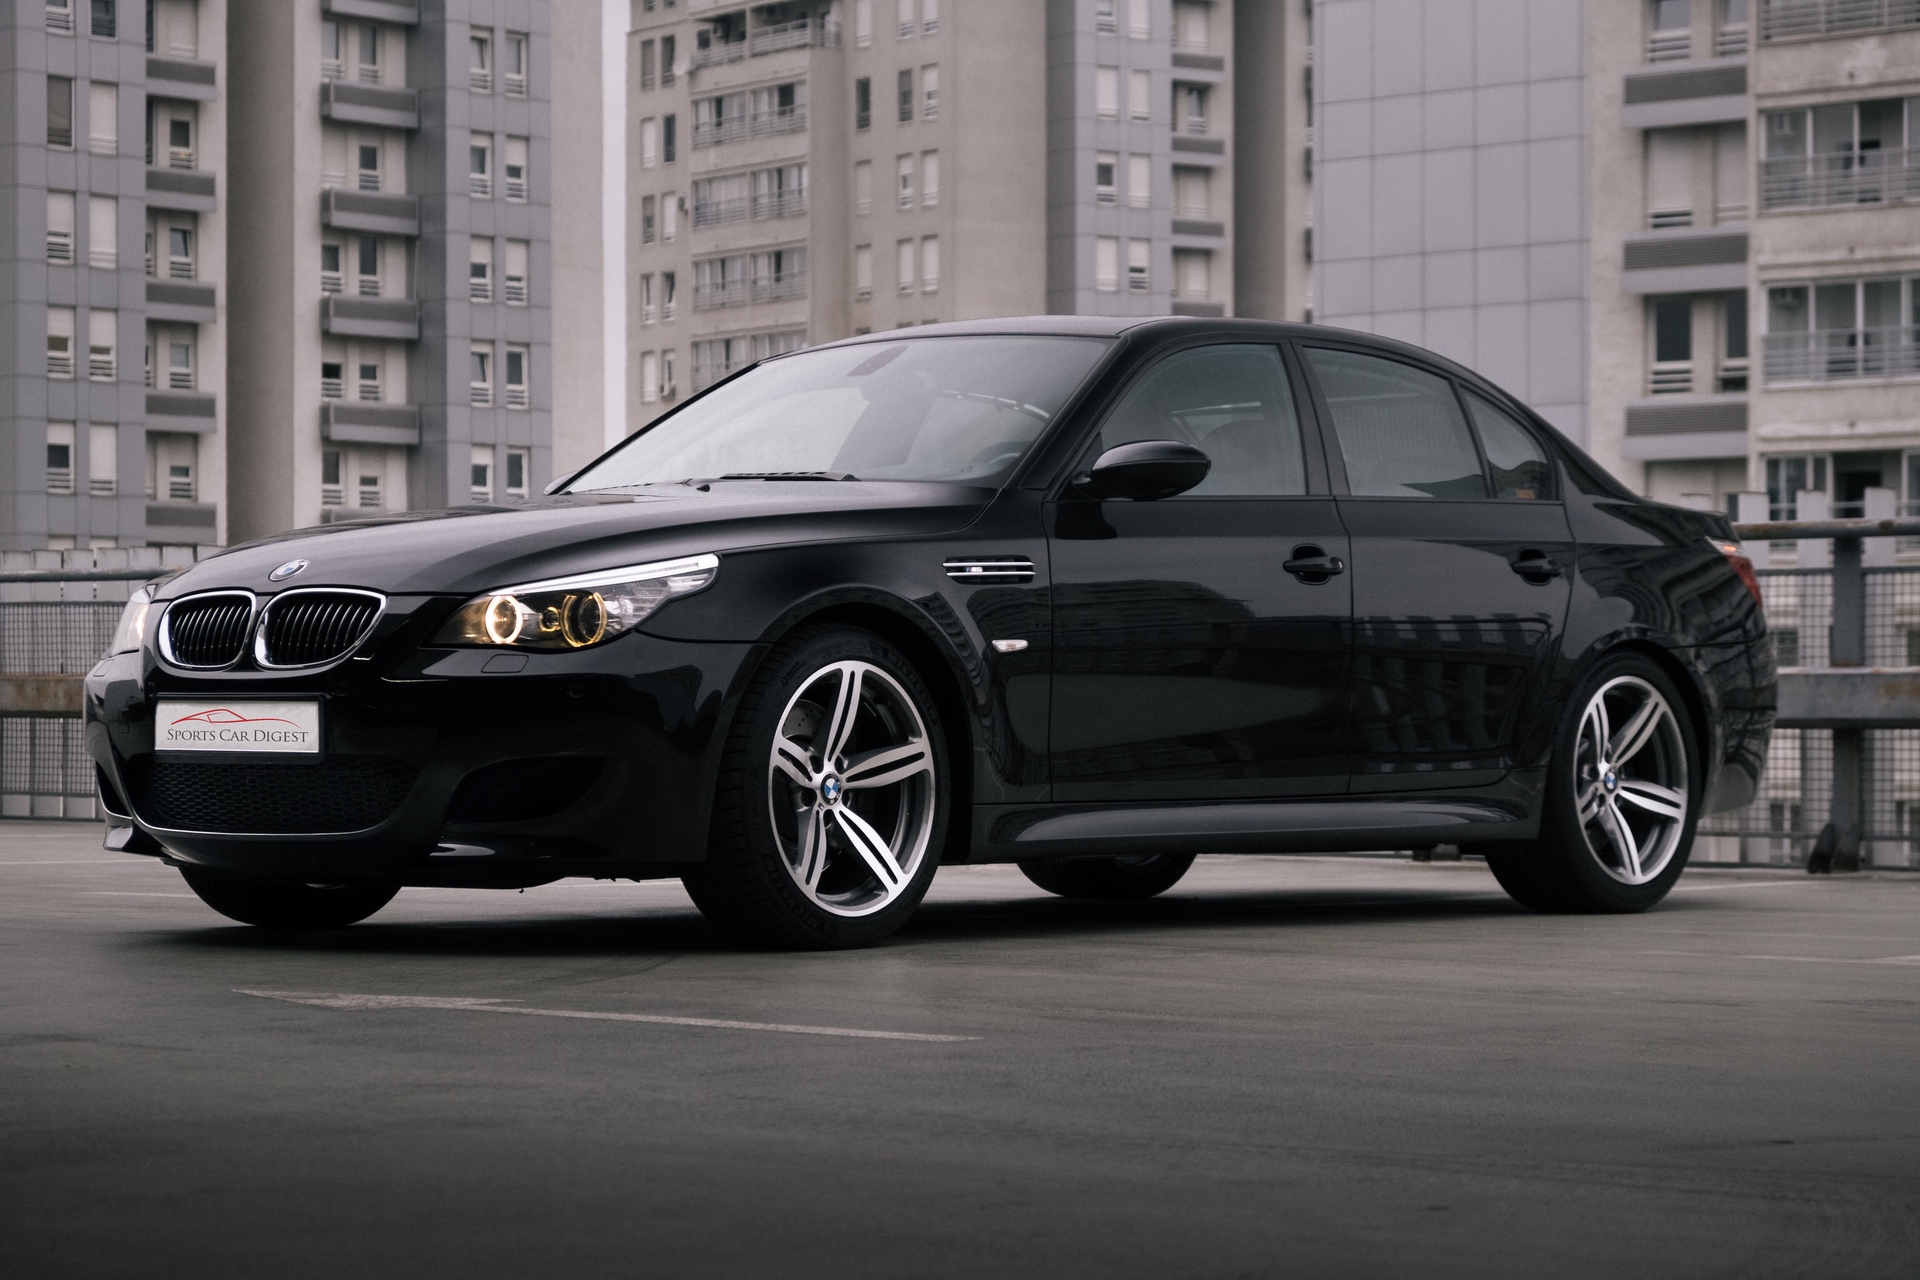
(680, 929)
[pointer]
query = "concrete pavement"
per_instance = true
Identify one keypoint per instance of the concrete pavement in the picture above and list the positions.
(1285, 1067)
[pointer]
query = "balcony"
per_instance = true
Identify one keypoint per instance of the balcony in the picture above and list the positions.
(389, 424)
(1704, 426)
(182, 302)
(1811, 19)
(190, 412)
(780, 204)
(182, 521)
(1684, 260)
(191, 78)
(183, 189)
(777, 38)
(711, 133)
(390, 215)
(397, 318)
(368, 104)
(1843, 355)
(730, 293)
(717, 213)
(1840, 181)
(1706, 92)
(779, 288)
(404, 12)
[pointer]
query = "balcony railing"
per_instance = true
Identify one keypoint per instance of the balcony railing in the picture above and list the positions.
(480, 80)
(331, 282)
(1801, 19)
(714, 55)
(479, 289)
(60, 19)
(1843, 354)
(732, 293)
(711, 133)
(180, 158)
(780, 120)
(515, 293)
(715, 213)
(792, 285)
(1730, 41)
(59, 363)
(1824, 182)
(1670, 377)
(332, 388)
(516, 396)
(1669, 46)
(101, 365)
(180, 268)
(780, 204)
(59, 246)
(104, 256)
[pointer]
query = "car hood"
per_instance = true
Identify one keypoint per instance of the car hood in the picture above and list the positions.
(467, 550)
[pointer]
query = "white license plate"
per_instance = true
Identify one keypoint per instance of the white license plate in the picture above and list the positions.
(291, 728)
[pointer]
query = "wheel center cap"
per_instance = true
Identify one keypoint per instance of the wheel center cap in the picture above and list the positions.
(1610, 780)
(830, 788)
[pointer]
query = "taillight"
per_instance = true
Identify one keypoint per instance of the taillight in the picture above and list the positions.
(1741, 565)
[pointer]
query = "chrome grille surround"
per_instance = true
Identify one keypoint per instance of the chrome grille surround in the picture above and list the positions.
(208, 631)
(312, 627)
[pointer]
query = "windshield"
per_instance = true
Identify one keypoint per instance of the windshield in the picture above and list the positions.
(962, 410)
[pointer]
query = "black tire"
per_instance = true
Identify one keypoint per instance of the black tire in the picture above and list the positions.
(1108, 878)
(290, 908)
(749, 886)
(1572, 866)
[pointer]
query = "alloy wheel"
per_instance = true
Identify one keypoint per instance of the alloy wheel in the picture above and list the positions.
(850, 788)
(1630, 780)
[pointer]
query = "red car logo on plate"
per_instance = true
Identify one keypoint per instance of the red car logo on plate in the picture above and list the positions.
(227, 715)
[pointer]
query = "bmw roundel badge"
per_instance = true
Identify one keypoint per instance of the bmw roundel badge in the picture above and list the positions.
(286, 570)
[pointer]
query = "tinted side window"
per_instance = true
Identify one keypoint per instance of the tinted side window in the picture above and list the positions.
(1400, 428)
(1518, 463)
(1230, 402)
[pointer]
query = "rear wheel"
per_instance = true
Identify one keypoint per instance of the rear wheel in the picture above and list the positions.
(292, 908)
(1621, 800)
(1109, 878)
(832, 804)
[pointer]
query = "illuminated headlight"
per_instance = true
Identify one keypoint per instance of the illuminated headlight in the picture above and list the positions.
(131, 632)
(572, 613)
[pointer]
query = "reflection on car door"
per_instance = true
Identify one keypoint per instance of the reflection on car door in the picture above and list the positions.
(1461, 563)
(1188, 663)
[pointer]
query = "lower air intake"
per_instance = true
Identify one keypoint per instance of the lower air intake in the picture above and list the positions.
(310, 628)
(345, 793)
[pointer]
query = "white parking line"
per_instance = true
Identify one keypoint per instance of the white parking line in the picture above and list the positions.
(1746, 884)
(1712, 955)
(135, 861)
(130, 893)
(469, 1004)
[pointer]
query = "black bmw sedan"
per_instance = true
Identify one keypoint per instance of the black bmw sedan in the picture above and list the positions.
(1091, 596)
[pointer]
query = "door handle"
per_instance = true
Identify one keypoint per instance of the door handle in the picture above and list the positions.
(1536, 567)
(1313, 566)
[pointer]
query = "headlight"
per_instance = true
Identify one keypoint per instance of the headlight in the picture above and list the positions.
(131, 632)
(572, 613)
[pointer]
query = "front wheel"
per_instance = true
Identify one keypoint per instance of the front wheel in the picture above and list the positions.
(1117, 878)
(291, 908)
(1621, 802)
(833, 795)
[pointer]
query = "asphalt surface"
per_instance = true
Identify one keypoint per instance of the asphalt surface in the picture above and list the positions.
(1285, 1067)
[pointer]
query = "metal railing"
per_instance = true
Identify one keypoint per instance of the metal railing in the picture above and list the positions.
(1834, 355)
(1801, 19)
(1834, 181)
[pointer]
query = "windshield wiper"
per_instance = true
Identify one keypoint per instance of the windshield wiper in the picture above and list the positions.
(784, 475)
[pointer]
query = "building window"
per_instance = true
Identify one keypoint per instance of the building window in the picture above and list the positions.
(370, 55)
(1190, 23)
(367, 259)
(863, 103)
(648, 225)
(480, 269)
(1106, 178)
(332, 63)
(331, 490)
(1733, 343)
(779, 274)
(331, 275)
(103, 118)
(519, 469)
(780, 192)
(103, 341)
(179, 366)
(180, 153)
(669, 142)
(649, 143)
(1139, 23)
(1106, 264)
(669, 216)
(1844, 153)
(480, 473)
(929, 178)
(480, 376)
(903, 186)
(930, 264)
(929, 17)
(1835, 330)
(648, 309)
(60, 226)
(103, 232)
(1192, 274)
(1139, 181)
(368, 497)
(669, 383)
(1730, 36)
(105, 19)
(60, 111)
(649, 377)
(519, 379)
(646, 64)
(1672, 346)
(906, 97)
(333, 379)
(514, 67)
(1140, 95)
(907, 24)
(60, 457)
(370, 389)
(369, 167)
(667, 71)
(863, 187)
(903, 267)
(1106, 92)
(862, 23)
(1788, 478)
(479, 166)
(718, 201)
(1193, 101)
(1139, 258)
(930, 93)
(514, 171)
(1104, 21)
(781, 108)
(1670, 154)
(103, 461)
(519, 253)
(1192, 193)
(863, 271)
(60, 336)
(1670, 34)
(667, 301)
(180, 253)
(719, 119)
(60, 18)
(480, 61)
(719, 282)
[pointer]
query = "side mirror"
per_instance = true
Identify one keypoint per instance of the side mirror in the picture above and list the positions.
(1145, 470)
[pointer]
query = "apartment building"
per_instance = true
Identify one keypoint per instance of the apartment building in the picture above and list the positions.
(804, 171)
(1687, 231)
(114, 168)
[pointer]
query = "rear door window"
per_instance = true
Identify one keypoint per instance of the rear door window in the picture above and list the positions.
(1400, 428)
(1518, 463)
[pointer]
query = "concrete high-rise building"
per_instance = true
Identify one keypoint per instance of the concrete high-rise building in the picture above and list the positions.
(1687, 231)
(803, 171)
(114, 234)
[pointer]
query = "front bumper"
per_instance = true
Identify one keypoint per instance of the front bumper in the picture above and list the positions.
(599, 762)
